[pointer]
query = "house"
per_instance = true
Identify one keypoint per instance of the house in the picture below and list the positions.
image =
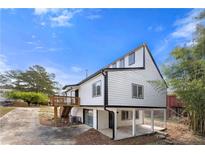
(113, 100)
(174, 105)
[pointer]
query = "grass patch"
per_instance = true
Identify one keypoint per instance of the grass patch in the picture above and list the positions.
(5, 110)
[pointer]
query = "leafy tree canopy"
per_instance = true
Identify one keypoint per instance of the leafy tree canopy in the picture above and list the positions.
(29, 97)
(186, 75)
(35, 79)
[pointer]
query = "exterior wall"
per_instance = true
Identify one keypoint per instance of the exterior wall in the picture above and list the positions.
(85, 92)
(120, 86)
(103, 119)
(127, 122)
(138, 60)
(76, 111)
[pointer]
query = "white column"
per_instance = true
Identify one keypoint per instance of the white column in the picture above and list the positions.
(95, 118)
(165, 118)
(152, 120)
(133, 122)
(142, 118)
(115, 127)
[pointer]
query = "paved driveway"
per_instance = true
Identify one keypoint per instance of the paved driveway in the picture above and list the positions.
(21, 126)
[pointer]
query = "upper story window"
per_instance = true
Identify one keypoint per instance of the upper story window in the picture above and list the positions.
(114, 65)
(96, 89)
(137, 91)
(132, 58)
(122, 63)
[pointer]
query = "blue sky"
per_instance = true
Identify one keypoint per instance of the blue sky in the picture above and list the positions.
(69, 41)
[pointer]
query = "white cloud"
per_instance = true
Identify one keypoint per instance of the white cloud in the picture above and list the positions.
(3, 64)
(76, 69)
(56, 17)
(40, 11)
(186, 26)
(181, 35)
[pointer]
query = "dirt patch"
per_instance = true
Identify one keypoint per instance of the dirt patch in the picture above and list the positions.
(46, 118)
(5, 110)
(179, 133)
(93, 137)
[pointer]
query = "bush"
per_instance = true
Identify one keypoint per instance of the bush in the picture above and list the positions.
(29, 97)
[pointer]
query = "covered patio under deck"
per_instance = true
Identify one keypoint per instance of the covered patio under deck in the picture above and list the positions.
(145, 124)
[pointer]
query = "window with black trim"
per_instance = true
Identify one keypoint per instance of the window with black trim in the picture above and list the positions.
(137, 91)
(96, 89)
(127, 115)
(114, 65)
(132, 58)
(122, 63)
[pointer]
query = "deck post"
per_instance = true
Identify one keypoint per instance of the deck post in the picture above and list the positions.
(152, 120)
(133, 122)
(165, 118)
(55, 114)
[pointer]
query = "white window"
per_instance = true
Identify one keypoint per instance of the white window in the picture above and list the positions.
(132, 58)
(122, 63)
(114, 65)
(127, 115)
(96, 89)
(137, 91)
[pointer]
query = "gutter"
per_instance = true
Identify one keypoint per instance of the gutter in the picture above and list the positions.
(105, 74)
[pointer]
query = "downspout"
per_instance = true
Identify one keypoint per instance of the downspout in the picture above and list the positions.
(105, 74)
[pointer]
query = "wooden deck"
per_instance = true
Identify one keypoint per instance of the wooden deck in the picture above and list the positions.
(64, 101)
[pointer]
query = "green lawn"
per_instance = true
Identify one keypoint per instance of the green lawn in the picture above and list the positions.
(4, 110)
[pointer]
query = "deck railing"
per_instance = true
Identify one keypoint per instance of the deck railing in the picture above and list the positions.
(64, 100)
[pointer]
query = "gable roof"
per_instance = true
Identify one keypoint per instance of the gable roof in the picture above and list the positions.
(120, 69)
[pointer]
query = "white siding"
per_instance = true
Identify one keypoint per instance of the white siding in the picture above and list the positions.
(138, 59)
(120, 90)
(103, 119)
(85, 92)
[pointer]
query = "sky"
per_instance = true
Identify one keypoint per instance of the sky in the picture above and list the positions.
(69, 41)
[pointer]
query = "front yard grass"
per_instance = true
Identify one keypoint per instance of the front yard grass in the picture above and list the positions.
(5, 110)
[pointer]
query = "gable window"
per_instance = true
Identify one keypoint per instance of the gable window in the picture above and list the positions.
(114, 65)
(132, 58)
(122, 63)
(127, 115)
(96, 89)
(137, 91)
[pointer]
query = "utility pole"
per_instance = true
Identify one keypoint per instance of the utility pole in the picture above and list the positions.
(86, 73)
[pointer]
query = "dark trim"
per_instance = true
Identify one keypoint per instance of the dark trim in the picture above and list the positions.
(130, 52)
(83, 116)
(91, 105)
(155, 64)
(97, 118)
(123, 106)
(120, 69)
(106, 89)
(143, 56)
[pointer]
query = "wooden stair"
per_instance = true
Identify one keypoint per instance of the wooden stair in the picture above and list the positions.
(65, 111)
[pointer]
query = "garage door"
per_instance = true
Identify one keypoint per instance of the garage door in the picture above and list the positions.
(88, 117)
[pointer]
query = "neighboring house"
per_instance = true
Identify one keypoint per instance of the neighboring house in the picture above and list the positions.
(117, 95)
(175, 106)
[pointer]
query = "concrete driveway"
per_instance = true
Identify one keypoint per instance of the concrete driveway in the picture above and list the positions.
(21, 126)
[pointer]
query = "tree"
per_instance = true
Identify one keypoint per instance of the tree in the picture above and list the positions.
(186, 75)
(29, 97)
(35, 79)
